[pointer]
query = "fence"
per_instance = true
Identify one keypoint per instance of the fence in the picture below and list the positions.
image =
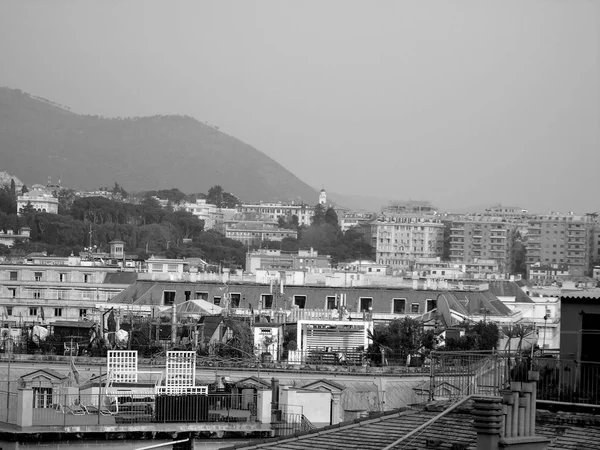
(8, 406)
(457, 374)
(568, 381)
(59, 409)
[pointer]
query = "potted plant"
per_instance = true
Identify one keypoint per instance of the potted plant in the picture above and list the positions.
(266, 355)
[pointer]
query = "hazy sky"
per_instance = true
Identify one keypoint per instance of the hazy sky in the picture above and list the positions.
(459, 102)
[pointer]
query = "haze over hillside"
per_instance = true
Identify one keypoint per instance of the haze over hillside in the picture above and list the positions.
(39, 139)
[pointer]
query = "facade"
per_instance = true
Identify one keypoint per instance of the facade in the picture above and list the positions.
(264, 259)
(401, 239)
(354, 220)
(383, 303)
(53, 289)
(561, 239)
(475, 239)
(546, 274)
(213, 217)
(9, 238)
(580, 326)
(273, 211)
(253, 232)
(40, 198)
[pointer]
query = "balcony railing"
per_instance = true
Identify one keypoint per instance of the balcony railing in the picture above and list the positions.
(458, 374)
(57, 409)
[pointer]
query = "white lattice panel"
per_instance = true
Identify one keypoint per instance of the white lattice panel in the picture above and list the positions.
(122, 366)
(182, 390)
(181, 368)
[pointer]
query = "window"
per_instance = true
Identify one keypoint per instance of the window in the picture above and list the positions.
(431, 304)
(9, 310)
(87, 277)
(57, 312)
(168, 298)
(12, 292)
(13, 276)
(236, 299)
(201, 295)
(331, 302)
(87, 295)
(37, 294)
(414, 308)
(37, 276)
(188, 295)
(63, 277)
(33, 311)
(82, 313)
(300, 301)
(266, 301)
(217, 300)
(42, 397)
(172, 267)
(365, 303)
(62, 295)
(399, 305)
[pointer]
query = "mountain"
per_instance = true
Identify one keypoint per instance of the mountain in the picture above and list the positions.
(39, 138)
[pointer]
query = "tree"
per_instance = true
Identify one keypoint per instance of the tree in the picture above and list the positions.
(217, 196)
(318, 217)
(331, 217)
(13, 188)
(66, 197)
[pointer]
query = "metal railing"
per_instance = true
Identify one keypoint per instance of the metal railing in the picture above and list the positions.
(51, 409)
(568, 380)
(457, 374)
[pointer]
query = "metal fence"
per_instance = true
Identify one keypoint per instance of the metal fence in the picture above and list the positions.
(570, 381)
(52, 409)
(8, 406)
(457, 374)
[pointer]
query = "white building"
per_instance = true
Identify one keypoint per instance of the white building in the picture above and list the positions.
(40, 198)
(273, 211)
(212, 215)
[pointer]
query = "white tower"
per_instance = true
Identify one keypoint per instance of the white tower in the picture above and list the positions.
(322, 197)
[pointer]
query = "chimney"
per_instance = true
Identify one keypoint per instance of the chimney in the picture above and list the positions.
(508, 422)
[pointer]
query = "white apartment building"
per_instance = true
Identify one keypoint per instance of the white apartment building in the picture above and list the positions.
(400, 240)
(55, 289)
(273, 211)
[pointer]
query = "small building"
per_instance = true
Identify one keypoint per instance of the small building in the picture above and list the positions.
(9, 238)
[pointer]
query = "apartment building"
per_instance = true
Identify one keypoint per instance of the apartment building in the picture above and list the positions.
(350, 219)
(273, 211)
(53, 289)
(478, 238)
(562, 239)
(252, 232)
(277, 260)
(401, 239)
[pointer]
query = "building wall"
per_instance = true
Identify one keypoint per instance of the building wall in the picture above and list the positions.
(276, 210)
(561, 238)
(571, 338)
(400, 240)
(473, 240)
(62, 292)
(381, 300)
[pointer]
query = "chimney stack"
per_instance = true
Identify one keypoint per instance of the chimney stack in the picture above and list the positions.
(508, 422)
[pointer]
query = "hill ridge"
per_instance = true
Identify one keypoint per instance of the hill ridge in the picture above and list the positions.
(41, 138)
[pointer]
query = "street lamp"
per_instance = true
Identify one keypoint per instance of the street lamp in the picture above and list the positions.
(544, 341)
